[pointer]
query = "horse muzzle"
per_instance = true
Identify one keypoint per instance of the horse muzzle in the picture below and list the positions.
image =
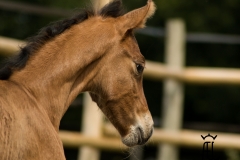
(140, 133)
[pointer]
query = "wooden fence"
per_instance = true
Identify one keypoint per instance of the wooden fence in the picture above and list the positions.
(106, 137)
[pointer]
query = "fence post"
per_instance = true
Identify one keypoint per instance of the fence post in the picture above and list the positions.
(91, 126)
(98, 4)
(173, 92)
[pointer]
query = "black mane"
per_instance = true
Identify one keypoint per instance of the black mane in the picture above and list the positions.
(113, 9)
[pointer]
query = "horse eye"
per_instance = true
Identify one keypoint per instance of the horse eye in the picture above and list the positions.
(140, 68)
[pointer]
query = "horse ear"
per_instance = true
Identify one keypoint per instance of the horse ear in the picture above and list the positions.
(136, 18)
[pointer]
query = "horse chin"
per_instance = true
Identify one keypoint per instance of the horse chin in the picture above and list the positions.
(137, 136)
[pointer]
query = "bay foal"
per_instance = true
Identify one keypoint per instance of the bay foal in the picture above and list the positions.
(94, 51)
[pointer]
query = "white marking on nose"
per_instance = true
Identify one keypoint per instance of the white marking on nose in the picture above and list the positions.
(145, 122)
(140, 132)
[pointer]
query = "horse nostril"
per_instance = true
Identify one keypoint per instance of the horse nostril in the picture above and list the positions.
(141, 136)
(141, 139)
(138, 136)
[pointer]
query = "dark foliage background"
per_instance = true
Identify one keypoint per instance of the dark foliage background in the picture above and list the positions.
(205, 107)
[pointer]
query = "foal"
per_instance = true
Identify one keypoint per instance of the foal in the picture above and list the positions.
(94, 52)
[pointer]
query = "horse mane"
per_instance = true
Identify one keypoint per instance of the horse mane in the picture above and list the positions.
(113, 9)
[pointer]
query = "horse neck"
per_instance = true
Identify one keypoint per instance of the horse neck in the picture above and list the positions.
(58, 72)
